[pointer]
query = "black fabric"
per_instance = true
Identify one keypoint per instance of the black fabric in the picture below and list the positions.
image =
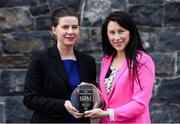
(47, 85)
(108, 73)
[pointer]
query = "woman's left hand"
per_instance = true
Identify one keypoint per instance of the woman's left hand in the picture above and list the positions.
(72, 110)
(96, 113)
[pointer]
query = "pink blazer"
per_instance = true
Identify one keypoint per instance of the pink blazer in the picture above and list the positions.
(129, 103)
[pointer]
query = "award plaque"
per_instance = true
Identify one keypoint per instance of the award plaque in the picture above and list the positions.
(86, 97)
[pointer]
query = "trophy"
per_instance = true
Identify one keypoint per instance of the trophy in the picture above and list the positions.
(86, 97)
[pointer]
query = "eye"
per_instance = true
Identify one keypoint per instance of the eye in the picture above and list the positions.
(111, 32)
(121, 31)
(65, 27)
(75, 27)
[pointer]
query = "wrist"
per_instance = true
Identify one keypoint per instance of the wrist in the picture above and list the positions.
(111, 114)
(105, 114)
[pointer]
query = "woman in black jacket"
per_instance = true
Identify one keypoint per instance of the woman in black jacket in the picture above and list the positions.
(54, 73)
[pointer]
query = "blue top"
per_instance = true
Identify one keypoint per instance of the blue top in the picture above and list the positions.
(71, 67)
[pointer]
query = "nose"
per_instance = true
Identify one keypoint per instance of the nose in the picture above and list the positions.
(116, 36)
(70, 30)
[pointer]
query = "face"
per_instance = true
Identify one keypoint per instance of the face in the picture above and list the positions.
(118, 36)
(67, 31)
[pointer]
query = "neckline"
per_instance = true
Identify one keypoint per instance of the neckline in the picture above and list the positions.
(117, 66)
(69, 60)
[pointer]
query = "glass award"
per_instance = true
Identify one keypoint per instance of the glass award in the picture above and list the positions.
(86, 97)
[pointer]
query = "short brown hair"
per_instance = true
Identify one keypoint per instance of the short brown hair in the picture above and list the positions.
(62, 11)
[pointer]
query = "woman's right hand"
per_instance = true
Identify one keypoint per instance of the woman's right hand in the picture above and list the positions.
(72, 110)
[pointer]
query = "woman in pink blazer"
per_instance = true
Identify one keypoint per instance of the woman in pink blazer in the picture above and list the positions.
(127, 73)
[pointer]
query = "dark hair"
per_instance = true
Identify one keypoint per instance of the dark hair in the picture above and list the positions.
(62, 11)
(135, 43)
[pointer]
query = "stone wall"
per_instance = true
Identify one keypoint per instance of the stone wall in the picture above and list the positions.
(25, 28)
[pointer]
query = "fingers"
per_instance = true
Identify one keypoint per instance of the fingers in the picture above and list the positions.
(94, 113)
(77, 114)
(84, 83)
(68, 105)
(90, 113)
(72, 110)
(87, 114)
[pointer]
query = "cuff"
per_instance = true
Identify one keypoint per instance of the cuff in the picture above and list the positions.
(111, 114)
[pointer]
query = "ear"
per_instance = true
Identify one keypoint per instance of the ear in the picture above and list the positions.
(53, 29)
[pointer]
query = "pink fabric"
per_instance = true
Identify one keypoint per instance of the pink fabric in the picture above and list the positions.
(129, 102)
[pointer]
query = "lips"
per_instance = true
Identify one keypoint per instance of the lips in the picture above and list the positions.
(69, 38)
(118, 44)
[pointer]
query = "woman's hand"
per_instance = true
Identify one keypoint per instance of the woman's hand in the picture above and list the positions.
(96, 113)
(84, 83)
(72, 110)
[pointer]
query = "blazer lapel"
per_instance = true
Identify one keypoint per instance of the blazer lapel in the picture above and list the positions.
(58, 64)
(118, 75)
(105, 67)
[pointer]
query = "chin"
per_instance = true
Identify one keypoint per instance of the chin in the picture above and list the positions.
(120, 49)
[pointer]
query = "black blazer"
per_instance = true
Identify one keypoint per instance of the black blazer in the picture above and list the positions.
(47, 84)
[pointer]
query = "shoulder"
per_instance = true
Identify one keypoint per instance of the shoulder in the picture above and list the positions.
(143, 57)
(38, 55)
(145, 60)
(106, 58)
(84, 56)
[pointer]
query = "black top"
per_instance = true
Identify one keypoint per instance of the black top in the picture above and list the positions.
(47, 85)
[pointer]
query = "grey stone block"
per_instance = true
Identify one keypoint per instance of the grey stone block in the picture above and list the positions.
(164, 113)
(39, 10)
(16, 112)
(149, 40)
(56, 3)
(2, 111)
(26, 42)
(169, 90)
(95, 12)
(43, 23)
(168, 39)
(12, 82)
(178, 63)
(148, 15)
(172, 16)
(164, 64)
(146, 1)
(16, 19)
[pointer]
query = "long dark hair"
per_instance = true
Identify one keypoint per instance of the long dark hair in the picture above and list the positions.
(132, 48)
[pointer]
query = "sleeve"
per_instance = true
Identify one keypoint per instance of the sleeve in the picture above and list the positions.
(34, 98)
(111, 114)
(141, 97)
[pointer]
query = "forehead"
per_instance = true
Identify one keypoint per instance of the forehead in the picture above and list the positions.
(68, 20)
(113, 24)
